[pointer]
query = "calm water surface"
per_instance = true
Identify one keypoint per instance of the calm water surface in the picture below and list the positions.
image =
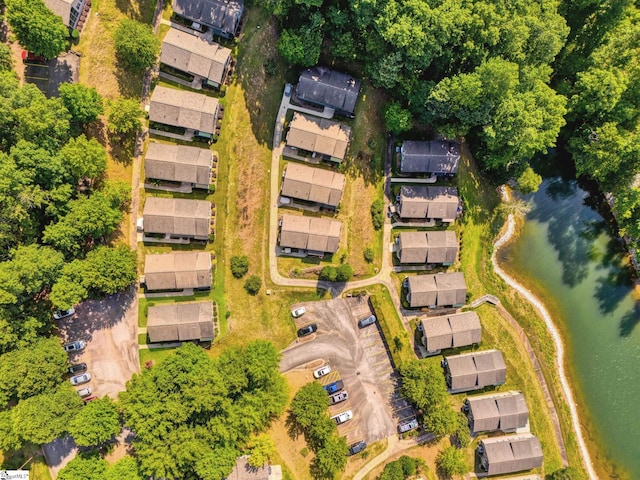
(566, 249)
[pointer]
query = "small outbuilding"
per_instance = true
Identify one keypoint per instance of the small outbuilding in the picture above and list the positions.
(475, 370)
(177, 218)
(510, 454)
(309, 235)
(188, 110)
(428, 203)
(320, 137)
(451, 331)
(434, 247)
(200, 58)
(181, 322)
(436, 157)
(436, 290)
(316, 185)
(189, 166)
(506, 412)
(177, 271)
(221, 16)
(328, 88)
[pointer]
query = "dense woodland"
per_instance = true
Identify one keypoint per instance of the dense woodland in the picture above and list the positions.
(515, 78)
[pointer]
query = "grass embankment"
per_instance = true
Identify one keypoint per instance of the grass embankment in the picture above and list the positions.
(478, 230)
(29, 458)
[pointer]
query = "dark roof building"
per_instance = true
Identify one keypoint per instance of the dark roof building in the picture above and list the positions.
(313, 184)
(180, 108)
(509, 454)
(439, 246)
(329, 88)
(451, 331)
(428, 203)
(472, 371)
(179, 163)
(177, 217)
(440, 290)
(181, 322)
(195, 56)
(506, 412)
(438, 157)
(221, 16)
(244, 471)
(177, 271)
(316, 236)
(319, 136)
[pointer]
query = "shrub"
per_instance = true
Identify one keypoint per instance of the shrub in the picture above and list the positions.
(450, 462)
(239, 265)
(369, 254)
(377, 213)
(253, 284)
(328, 273)
(344, 273)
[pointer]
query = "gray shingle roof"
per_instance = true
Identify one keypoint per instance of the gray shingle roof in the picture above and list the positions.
(178, 163)
(435, 156)
(439, 203)
(176, 271)
(223, 15)
(508, 454)
(180, 322)
(451, 331)
(310, 233)
(502, 411)
(319, 135)
(177, 216)
(183, 109)
(62, 8)
(440, 246)
(194, 55)
(439, 290)
(313, 184)
(472, 371)
(330, 88)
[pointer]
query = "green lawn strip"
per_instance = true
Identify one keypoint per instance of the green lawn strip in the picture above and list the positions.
(157, 355)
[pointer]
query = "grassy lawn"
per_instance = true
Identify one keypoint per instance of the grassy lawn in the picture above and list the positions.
(28, 457)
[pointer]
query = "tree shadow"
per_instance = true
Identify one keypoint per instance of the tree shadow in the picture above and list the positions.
(630, 320)
(294, 429)
(140, 10)
(122, 148)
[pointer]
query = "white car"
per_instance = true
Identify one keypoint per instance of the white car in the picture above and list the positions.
(84, 392)
(59, 314)
(322, 371)
(343, 417)
(298, 312)
(80, 379)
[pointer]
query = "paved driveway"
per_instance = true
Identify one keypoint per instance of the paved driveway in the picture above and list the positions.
(109, 326)
(358, 357)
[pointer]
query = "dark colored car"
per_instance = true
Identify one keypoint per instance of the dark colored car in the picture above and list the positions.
(357, 447)
(77, 368)
(30, 57)
(334, 387)
(308, 330)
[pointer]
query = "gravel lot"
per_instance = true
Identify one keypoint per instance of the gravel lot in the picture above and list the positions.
(357, 356)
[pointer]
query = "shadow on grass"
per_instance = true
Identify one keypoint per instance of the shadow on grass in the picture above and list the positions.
(122, 148)
(129, 82)
(140, 10)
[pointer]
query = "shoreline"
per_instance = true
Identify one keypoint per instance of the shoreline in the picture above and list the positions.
(503, 239)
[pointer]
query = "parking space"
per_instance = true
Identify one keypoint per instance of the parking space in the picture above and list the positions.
(48, 75)
(109, 328)
(358, 357)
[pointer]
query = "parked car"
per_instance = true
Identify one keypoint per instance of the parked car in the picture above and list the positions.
(357, 447)
(408, 426)
(75, 346)
(59, 314)
(80, 379)
(287, 90)
(365, 322)
(308, 330)
(30, 57)
(90, 399)
(84, 392)
(298, 312)
(334, 387)
(322, 371)
(338, 397)
(78, 368)
(343, 417)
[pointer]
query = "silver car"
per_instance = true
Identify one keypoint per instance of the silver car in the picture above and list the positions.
(80, 379)
(76, 346)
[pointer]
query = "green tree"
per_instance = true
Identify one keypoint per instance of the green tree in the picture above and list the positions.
(309, 404)
(9, 438)
(40, 120)
(83, 158)
(239, 265)
(96, 423)
(461, 433)
(396, 118)
(302, 46)
(137, 47)
(331, 458)
(377, 213)
(39, 166)
(451, 462)
(84, 103)
(344, 273)
(124, 469)
(6, 58)
(568, 473)
(262, 450)
(328, 273)
(253, 284)
(85, 467)
(124, 116)
(627, 212)
(36, 27)
(529, 181)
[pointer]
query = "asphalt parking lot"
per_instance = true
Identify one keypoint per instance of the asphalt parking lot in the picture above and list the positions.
(357, 356)
(49, 75)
